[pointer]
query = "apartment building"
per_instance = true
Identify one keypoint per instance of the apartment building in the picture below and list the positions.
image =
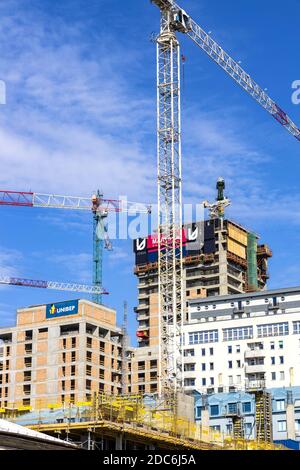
(236, 342)
(220, 258)
(59, 353)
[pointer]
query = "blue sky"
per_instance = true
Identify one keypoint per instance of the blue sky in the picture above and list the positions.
(80, 114)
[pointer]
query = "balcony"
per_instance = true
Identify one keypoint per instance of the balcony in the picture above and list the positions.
(255, 369)
(255, 385)
(254, 353)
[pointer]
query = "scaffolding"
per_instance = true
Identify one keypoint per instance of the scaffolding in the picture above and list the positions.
(129, 416)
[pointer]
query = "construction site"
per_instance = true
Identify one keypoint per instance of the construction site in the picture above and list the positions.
(214, 366)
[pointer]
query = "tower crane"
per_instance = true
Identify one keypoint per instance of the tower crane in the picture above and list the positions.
(100, 208)
(72, 287)
(169, 182)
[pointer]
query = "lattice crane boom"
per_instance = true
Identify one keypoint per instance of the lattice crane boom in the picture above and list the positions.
(185, 24)
(62, 286)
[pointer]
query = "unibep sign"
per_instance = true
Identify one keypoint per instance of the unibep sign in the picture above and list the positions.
(61, 309)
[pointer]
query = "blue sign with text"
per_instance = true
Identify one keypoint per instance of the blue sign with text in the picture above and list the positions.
(61, 309)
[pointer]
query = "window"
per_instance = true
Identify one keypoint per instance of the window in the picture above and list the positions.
(216, 428)
(189, 382)
(248, 430)
(238, 379)
(189, 367)
(280, 405)
(88, 356)
(228, 429)
(202, 337)
(297, 425)
(280, 344)
(229, 349)
(234, 334)
(203, 352)
(214, 410)
(281, 426)
(296, 327)
(238, 364)
(238, 348)
(211, 366)
(281, 359)
(188, 293)
(273, 329)
(282, 375)
(211, 351)
(246, 407)
(203, 367)
(273, 375)
(198, 412)
(189, 352)
(229, 364)
(203, 382)
(272, 345)
(230, 379)
(73, 356)
(212, 381)
(273, 361)
(232, 408)
(74, 342)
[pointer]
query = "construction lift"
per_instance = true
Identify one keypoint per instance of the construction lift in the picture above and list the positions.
(169, 181)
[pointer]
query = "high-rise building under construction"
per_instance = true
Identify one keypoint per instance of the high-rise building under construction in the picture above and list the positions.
(220, 257)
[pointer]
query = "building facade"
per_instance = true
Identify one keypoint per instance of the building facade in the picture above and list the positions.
(239, 341)
(222, 408)
(59, 353)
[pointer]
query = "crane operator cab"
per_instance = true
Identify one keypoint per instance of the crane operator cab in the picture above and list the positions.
(181, 21)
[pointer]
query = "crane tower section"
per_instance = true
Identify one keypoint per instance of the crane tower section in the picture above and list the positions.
(170, 279)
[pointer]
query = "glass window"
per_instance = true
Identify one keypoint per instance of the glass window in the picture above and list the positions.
(281, 360)
(211, 351)
(273, 375)
(203, 382)
(212, 381)
(247, 407)
(248, 429)
(296, 327)
(297, 425)
(211, 366)
(198, 411)
(273, 329)
(228, 428)
(203, 352)
(272, 344)
(230, 364)
(234, 334)
(282, 375)
(238, 348)
(203, 367)
(202, 337)
(281, 426)
(214, 410)
(273, 361)
(232, 408)
(280, 344)
(229, 349)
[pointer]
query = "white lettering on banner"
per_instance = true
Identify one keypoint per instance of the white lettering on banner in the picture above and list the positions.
(65, 309)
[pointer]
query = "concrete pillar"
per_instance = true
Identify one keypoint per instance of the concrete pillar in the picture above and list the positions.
(205, 425)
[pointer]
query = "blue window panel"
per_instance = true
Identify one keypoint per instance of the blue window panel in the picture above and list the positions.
(214, 410)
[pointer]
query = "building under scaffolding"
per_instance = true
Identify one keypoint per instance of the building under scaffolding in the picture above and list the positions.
(127, 422)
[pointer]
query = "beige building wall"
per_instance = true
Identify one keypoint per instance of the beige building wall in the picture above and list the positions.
(48, 362)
